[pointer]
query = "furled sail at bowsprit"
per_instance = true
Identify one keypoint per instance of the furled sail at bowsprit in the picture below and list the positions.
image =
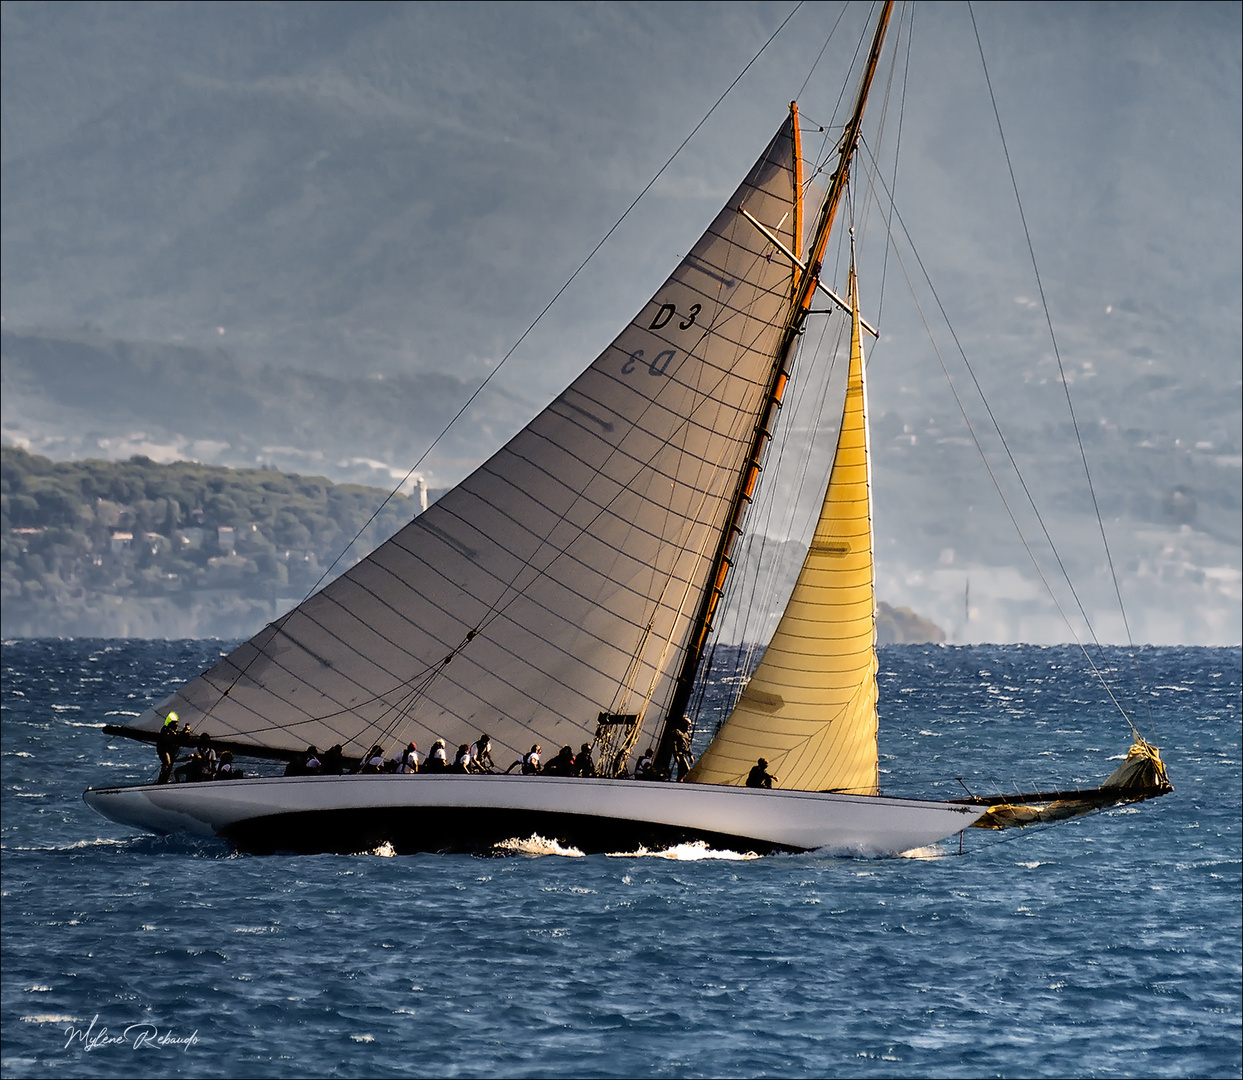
(559, 580)
(810, 706)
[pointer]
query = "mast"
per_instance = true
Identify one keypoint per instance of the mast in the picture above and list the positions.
(675, 721)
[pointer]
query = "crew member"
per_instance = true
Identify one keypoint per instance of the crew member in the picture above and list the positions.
(759, 776)
(481, 756)
(584, 763)
(409, 760)
(562, 764)
(373, 762)
(166, 747)
(226, 771)
(438, 759)
(645, 769)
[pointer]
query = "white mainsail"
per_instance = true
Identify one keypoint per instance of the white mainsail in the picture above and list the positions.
(809, 708)
(560, 579)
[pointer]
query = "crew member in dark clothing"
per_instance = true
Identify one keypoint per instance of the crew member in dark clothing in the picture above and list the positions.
(333, 763)
(304, 764)
(202, 763)
(645, 770)
(166, 747)
(680, 758)
(226, 771)
(584, 764)
(759, 776)
(562, 764)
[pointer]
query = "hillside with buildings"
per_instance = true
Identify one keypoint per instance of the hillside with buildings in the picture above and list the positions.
(138, 549)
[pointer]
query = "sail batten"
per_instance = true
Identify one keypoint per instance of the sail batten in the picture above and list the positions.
(563, 573)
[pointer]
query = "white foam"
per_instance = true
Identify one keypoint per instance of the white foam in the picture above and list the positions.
(698, 851)
(537, 845)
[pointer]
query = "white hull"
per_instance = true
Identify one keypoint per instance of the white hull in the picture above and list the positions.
(456, 812)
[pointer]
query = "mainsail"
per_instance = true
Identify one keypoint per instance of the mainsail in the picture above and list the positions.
(810, 706)
(559, 581)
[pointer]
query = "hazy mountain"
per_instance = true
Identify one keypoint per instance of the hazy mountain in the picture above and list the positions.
(303, 235)
(84, 395)
(1171, 502)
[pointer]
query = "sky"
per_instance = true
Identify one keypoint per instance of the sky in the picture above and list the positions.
(368, 190)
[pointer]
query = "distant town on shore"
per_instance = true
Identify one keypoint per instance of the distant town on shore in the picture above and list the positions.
(140, 549)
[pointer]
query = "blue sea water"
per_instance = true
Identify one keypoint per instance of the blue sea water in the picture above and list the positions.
(1109, 945)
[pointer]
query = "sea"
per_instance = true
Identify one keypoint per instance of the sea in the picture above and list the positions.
(1109, 945)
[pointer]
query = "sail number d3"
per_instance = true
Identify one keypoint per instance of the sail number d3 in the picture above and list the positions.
(668, 311)
(659, 364)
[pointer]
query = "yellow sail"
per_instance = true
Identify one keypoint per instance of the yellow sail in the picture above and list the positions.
(810, 707)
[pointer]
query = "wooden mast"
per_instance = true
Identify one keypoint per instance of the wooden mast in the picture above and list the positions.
(675, 721)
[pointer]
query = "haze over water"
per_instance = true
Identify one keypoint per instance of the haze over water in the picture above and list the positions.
(1105, 946)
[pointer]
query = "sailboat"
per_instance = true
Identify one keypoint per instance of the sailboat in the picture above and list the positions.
(564, 593)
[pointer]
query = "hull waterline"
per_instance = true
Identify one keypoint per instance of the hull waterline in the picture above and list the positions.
(472, 813)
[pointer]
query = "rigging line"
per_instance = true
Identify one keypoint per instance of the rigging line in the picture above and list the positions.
(659, 666)
(897, 149)
(417, 683)
(860, 227)
(820, 55)
(701, 691)
(727, 315)
(1031, 250)
(543, 311)
(989, 410)
(807, 359)
(818, 163)
(766, 494)
(805, 388)
(743, 656)
(841, 95)
(1017, 833)
(621, 697)
(996, 482)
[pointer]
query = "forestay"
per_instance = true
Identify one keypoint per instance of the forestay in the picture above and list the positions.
(559, 580)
